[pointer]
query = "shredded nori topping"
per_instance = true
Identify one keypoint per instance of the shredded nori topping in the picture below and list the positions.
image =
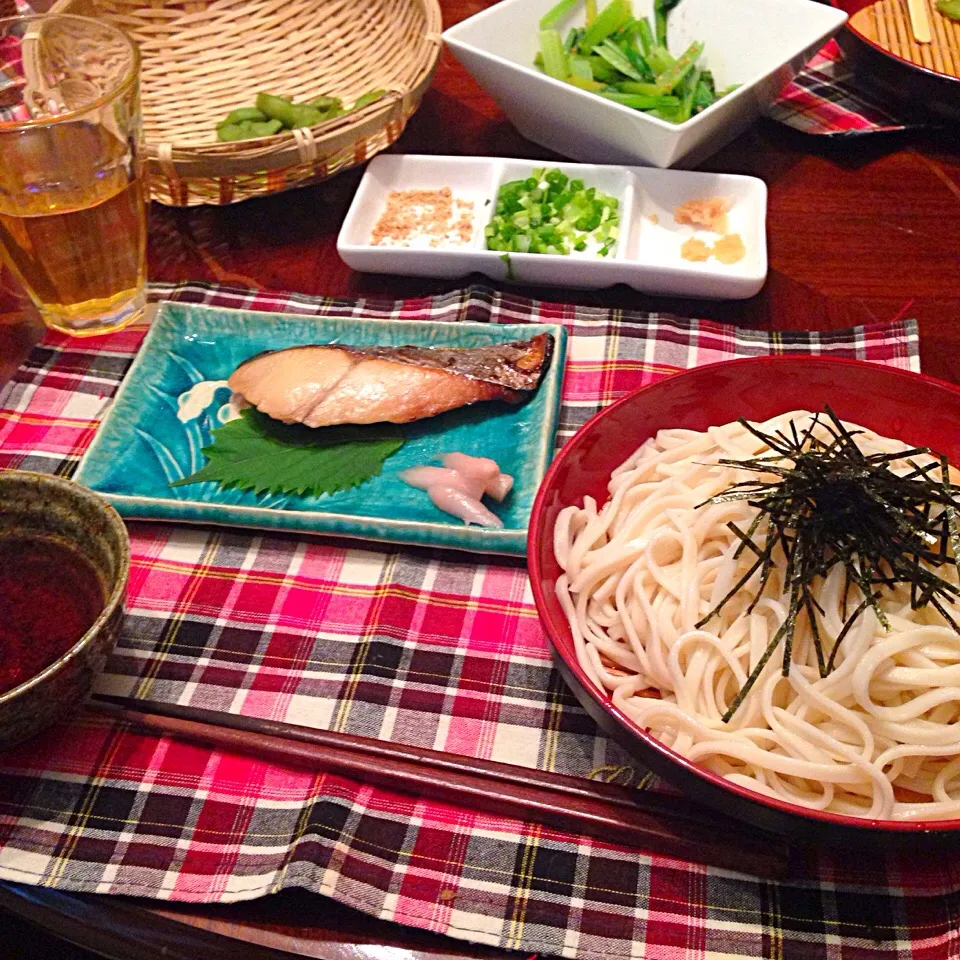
(831, 503)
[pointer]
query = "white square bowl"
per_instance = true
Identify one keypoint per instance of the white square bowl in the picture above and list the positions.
(758, 44)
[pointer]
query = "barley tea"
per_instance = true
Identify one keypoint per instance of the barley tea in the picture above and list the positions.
(72, 203)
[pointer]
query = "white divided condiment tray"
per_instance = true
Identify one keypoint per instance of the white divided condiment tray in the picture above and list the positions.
(646, 257)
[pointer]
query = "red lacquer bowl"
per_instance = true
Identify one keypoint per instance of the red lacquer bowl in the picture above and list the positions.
(917, 409)
(920, 93)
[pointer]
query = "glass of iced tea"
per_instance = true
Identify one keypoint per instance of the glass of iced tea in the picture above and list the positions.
(73, 225)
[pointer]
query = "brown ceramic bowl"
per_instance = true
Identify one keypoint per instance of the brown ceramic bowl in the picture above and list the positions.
(40, 506)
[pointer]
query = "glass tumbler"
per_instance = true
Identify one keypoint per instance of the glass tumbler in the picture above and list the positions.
(73, 223)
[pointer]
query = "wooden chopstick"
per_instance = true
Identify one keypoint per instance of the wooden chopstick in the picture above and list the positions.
(919, 22)
(667, 825)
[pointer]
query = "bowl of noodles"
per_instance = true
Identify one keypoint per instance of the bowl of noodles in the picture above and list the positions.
(723, 602)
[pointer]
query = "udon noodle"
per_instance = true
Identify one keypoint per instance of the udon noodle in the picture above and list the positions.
(877, 737)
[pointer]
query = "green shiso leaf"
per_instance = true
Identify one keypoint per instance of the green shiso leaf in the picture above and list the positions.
(260, 454)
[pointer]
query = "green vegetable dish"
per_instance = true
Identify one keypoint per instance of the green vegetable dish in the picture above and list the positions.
(273, 114)
(626, 60)
(548, 212)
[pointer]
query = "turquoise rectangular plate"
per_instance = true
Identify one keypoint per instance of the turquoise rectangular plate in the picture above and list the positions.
(143, 444)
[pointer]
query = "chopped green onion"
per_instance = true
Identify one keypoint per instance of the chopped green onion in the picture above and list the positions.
(548, 212)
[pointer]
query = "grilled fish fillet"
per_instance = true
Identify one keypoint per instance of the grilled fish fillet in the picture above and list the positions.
(325, 385)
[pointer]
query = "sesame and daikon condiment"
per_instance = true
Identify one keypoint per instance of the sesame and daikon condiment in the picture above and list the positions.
(426, 219)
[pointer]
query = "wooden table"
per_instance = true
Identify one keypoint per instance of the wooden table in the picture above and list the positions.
(859, 231)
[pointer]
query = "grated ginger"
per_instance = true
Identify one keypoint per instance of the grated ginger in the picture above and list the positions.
(729, 248)
(707, 212)
(695, 250)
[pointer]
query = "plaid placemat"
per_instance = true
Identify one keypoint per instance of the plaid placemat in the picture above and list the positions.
(434, 649)
(825, 99)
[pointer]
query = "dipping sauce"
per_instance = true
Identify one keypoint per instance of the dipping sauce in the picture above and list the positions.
(49, 598)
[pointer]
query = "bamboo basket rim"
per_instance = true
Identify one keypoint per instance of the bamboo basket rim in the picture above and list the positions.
(401, 62)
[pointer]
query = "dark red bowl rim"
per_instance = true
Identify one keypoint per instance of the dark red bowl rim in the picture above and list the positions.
(537, 533)
(908, 64)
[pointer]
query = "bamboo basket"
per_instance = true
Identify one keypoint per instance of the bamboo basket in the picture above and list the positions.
(204, 58)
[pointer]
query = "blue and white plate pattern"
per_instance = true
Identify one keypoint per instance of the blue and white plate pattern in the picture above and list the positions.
(175, 394)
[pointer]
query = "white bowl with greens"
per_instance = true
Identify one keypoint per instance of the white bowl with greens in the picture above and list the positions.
(624, 90)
